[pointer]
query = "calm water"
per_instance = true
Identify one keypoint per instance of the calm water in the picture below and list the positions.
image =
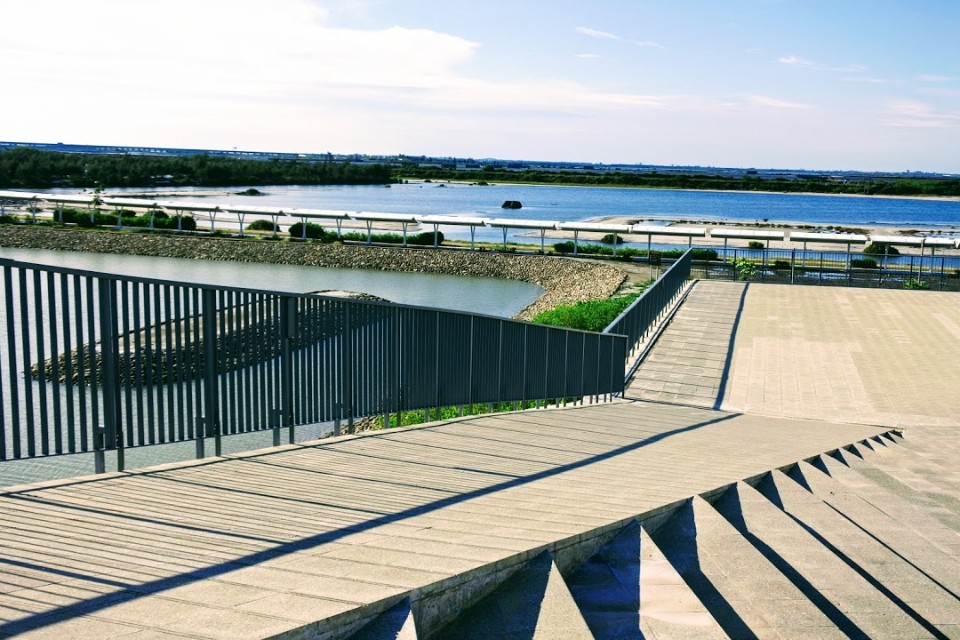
(585, 203)
(478, 295)
(581, 203)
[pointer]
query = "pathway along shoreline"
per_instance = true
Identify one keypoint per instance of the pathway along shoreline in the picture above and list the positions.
(564, 280)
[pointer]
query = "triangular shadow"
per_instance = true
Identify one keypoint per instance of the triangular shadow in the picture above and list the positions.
(606, 587)
(677, 540)
(395, 623)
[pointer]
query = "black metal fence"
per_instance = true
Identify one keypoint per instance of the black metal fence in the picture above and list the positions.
(91, 362)
(640, 318)
(794, 266)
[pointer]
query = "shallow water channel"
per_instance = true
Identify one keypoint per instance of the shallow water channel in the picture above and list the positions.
(489, 296)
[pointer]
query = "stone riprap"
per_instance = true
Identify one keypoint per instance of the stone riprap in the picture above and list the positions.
(564, 280)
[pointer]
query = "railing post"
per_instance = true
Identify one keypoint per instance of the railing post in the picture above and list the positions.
(105, 436)
(211, 418)
(288, 328)
(348, 367)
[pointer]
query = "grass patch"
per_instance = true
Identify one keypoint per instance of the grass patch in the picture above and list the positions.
(591, 315)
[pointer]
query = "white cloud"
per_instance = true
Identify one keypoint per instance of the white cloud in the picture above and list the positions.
(795, 61)
(596, 33)
(912, 114)
(934, 78)
(776, 103)
(588, 56)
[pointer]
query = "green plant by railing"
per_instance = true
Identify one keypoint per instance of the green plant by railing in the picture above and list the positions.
(744, 268)
(591, 315)
(419, 416)
(916, 284)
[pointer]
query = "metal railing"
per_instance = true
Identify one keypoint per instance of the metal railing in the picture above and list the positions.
(639, 319)
(91, 362)
(834, 268)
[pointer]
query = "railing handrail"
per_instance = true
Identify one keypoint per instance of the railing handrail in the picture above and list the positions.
(652, 290)
(124, 361)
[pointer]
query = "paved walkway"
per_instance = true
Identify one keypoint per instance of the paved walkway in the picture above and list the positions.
(688, 364)
(630, 519)
(267, 544)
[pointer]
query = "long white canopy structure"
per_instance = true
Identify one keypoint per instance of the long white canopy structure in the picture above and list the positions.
(438, 220)
(508, 223)
(593, 227)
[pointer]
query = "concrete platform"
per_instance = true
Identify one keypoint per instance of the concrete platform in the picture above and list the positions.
(311, 541)
(794, 511)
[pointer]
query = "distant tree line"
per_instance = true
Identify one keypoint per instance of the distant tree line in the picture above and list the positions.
(28, 168)
(891, 187)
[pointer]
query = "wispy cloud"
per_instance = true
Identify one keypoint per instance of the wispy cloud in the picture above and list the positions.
(776, 103)
(927, 77)
(911, 114)
(606, 35)
(596, 33)
(588, 56)
(795, 61)
(799, 62)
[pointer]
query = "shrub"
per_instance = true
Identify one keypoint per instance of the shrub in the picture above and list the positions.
(755, 244)
(744, 268)
(313, 231)
(563, 247)
(592, 315)
(781, 265)
(611, 238)
(705, 254)
(863, 263)
(263, 225)
(881, 248)
(426, 238)
(915, 283)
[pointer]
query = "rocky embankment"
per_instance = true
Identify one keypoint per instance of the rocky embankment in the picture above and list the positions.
(564, 280)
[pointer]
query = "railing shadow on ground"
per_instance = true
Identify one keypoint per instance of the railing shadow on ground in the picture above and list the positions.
(129, 591)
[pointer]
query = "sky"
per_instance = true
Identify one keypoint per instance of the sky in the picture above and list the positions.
(869, 85)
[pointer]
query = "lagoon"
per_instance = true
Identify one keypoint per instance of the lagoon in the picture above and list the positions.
(490, 296)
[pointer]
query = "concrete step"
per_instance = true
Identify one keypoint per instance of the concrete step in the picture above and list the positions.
(628, 590)
(853, 473)
(394, 624)
(533, 603)
(912, 476)
(899, 581)
(846, 597)
(894, 534)
(744, 592)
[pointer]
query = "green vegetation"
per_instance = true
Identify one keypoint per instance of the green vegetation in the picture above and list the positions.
(419, 416)
(744, 268)
(655, 180)
(27, 168)
(755, 244)
(881, 248)
(592, 315)
(86, 219)
(566, 247)
(863, 263)
(916, 284)
(419, 239)
(313, 232)
(611, 238)
(263, 225)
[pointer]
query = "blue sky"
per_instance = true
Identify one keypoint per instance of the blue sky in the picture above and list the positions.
(844, 84)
